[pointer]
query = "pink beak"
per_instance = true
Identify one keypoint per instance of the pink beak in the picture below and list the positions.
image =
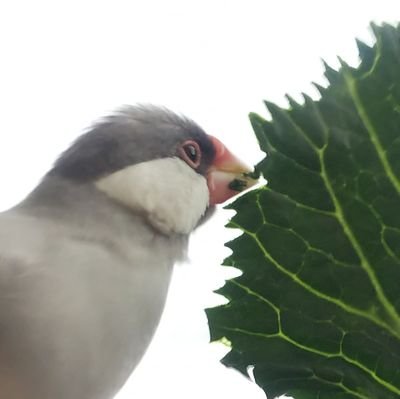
(227, 176)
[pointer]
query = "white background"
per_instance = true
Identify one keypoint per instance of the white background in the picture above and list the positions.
(65, 63)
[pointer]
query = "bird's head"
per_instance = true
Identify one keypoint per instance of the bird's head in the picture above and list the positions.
(157, 163)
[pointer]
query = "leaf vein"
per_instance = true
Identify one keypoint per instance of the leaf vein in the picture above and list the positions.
(317, 293)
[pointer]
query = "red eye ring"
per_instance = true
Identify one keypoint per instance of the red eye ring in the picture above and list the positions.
(190, 152)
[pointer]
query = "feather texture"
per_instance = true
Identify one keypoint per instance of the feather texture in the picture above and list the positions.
(83, 283)
(171, 195)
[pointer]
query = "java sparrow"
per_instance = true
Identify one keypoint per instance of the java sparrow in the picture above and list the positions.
(86, 258)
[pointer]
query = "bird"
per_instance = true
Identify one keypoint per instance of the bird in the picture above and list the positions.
(86, 258)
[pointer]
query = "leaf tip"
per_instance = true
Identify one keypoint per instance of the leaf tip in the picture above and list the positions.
(292, 102)
(343, 63)
(321, 89)
(330, 73)
(306, 97)
(362, 46)
(375, 28)
(255, 118)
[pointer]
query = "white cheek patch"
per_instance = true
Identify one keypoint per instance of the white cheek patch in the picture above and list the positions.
(172, 195)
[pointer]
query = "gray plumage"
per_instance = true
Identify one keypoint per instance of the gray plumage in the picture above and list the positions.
(83, 278)
(110, 145)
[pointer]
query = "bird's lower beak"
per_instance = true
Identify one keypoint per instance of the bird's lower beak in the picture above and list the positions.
(228, 175)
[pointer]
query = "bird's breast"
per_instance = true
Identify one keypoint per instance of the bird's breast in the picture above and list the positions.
(81, 307)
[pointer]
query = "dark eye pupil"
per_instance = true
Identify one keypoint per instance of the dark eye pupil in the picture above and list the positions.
(191, 152)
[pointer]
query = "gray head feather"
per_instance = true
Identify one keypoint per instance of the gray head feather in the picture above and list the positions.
(131, 135)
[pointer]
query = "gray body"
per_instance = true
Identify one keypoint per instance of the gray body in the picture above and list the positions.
(86, 259)
(76, 269)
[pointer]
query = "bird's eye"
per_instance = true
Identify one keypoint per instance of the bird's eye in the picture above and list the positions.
(190, 153)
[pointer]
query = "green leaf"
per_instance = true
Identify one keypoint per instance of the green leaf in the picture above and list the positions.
(316, 309)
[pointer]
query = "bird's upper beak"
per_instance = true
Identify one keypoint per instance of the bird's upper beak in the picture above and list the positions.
(228, 175)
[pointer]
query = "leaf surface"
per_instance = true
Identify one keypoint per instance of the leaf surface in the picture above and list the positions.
(316, 310)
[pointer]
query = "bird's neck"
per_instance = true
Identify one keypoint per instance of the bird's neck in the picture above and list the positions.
(71, 202)
(90, 213)
(62, 198)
